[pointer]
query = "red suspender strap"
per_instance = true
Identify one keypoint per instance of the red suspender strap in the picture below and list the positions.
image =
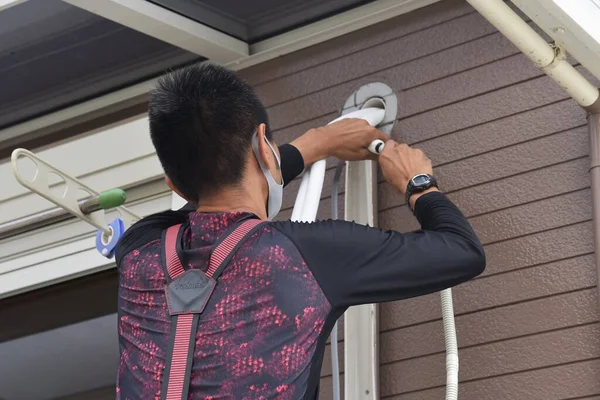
(188, 292)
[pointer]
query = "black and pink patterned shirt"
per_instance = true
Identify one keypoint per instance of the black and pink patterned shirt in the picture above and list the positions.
(262, 334)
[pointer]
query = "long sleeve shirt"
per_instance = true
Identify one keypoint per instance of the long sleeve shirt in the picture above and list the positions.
(264, 329)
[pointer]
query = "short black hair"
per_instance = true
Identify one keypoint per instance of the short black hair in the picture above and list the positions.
(202, 118)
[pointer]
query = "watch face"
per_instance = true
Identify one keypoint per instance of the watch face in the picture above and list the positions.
(421, 180)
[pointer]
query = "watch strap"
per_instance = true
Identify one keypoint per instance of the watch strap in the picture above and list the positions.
(411, 188)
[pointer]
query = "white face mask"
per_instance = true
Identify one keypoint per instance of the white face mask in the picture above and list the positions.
(275, 189)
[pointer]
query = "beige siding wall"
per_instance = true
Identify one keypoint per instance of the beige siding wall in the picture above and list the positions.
(510, 149)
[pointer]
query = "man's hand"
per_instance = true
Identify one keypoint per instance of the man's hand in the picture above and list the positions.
(347, 140)
(400, 163)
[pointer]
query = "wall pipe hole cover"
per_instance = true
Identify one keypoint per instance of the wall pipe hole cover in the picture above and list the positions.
(377, 95)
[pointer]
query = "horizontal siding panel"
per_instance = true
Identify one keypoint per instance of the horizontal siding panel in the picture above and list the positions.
(557, 114)
(444, 38)
(484, 293)
(457, 87)
(526, 188)
(544, 151)
(539, 248)
(356, 41)
(563, 382)
(528, 318)
(504, 132)
(516, 221)
(287, 134)
(484, 108)
(538, 153)
(546, 247)
(534, 154)
(506, 357)
(330, 100)
(530, 218)
(507, 192)
(480, 199)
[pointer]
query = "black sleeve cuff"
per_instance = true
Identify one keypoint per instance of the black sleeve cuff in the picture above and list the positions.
(292, 162)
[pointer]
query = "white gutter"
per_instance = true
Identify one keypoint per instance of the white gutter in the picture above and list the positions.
(572, 24)
(549, 59)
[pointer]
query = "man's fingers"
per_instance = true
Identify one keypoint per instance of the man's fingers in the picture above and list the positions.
(390, 143)
(367, 155)
(380, 135)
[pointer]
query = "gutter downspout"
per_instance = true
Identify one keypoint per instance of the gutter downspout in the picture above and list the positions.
(552, 60)
(594, 132)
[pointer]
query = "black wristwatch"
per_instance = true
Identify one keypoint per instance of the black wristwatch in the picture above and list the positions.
(418, 184)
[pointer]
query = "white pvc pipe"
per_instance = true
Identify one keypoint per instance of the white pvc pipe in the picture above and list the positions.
(451, 343)
(550, 60)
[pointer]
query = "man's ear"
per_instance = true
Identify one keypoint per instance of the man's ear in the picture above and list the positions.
(171, 185)
(264, 149)
(267, 154)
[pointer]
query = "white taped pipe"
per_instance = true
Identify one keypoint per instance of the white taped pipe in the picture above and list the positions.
(309, 194)
(306, 208)
(372, 115)
(544, 56)
(301, 196)
(312, 185)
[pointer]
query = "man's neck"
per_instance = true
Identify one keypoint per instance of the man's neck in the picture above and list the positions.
(229, 201)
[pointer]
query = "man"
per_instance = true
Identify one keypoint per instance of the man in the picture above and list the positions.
(262, 331)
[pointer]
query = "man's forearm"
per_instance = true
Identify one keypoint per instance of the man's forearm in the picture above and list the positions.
(312, 147)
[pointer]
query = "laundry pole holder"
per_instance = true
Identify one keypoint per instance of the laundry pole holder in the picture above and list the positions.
(90, 209)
